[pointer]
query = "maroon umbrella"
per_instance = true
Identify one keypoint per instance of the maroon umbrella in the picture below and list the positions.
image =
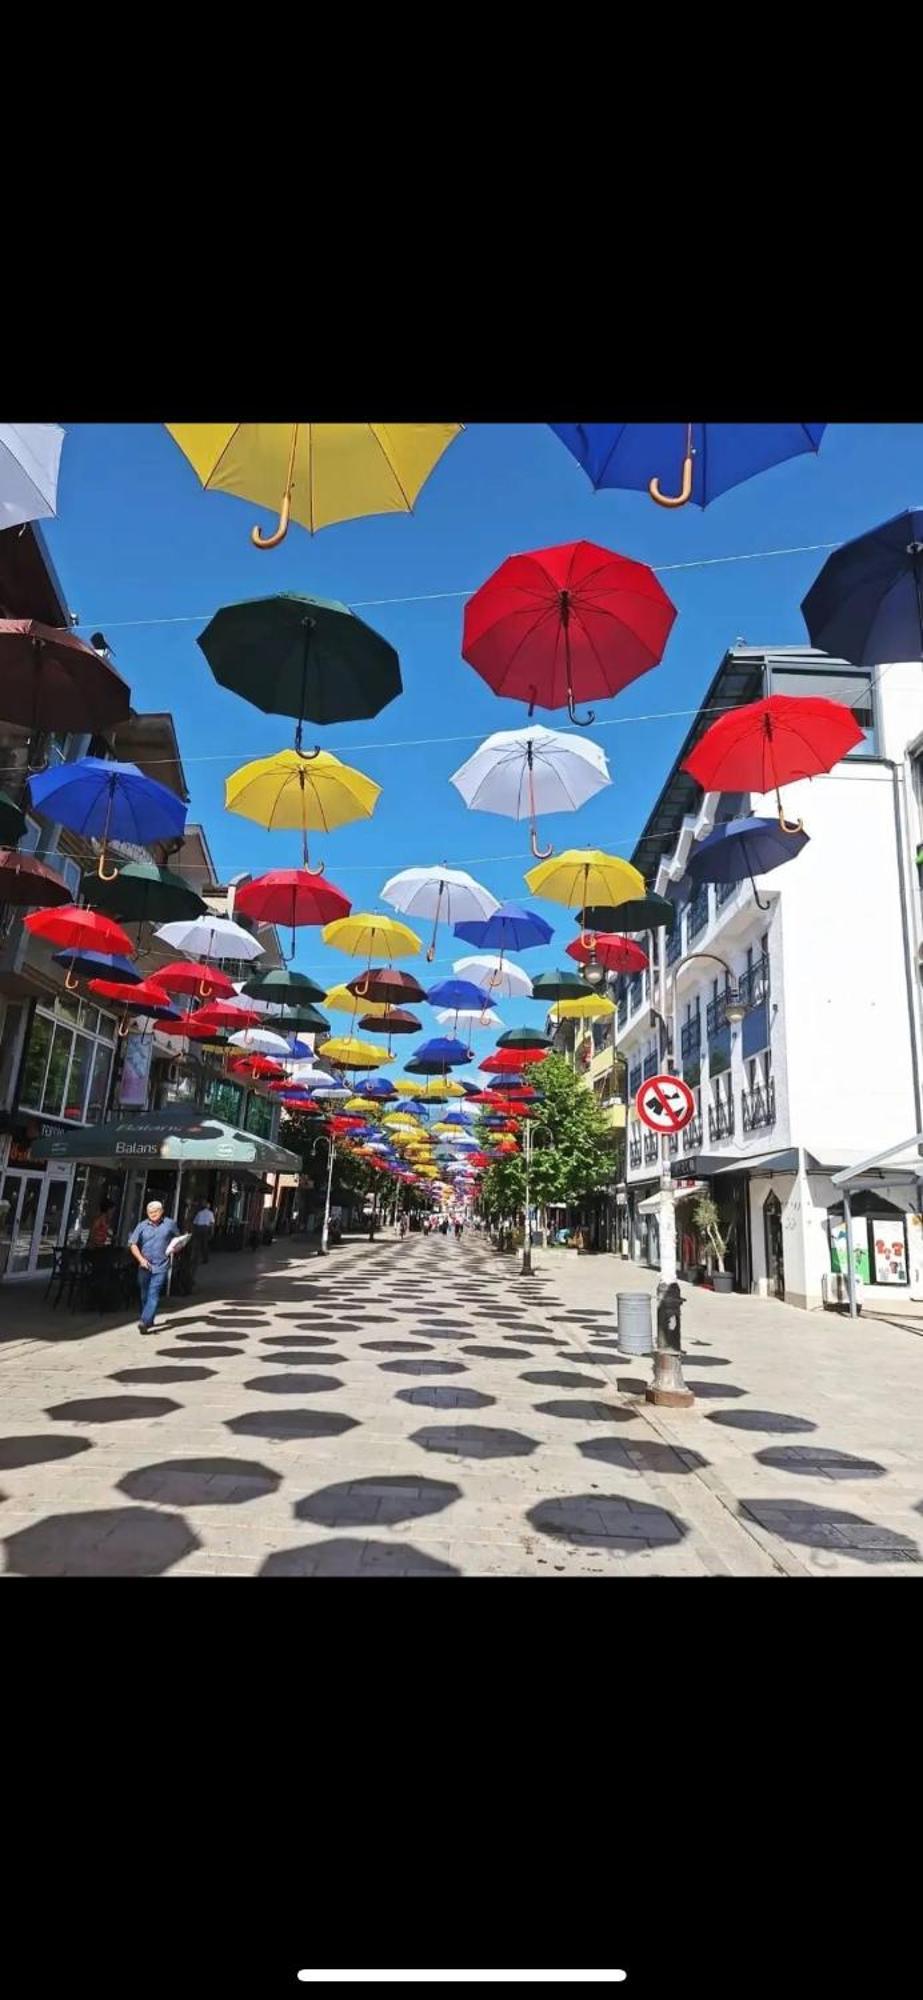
(383, 984)
(397, 1021)
(28, 884)
(51, 680)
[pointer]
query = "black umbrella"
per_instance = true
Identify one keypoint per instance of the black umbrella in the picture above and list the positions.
(646, 913)
(143, 893)
(284, 988)
(866, 605)
(50, 680)
(302, 656)
(527, 1038)
(559, 984)
(12, 821)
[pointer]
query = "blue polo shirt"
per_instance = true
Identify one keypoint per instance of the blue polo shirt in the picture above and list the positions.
(152, 1239)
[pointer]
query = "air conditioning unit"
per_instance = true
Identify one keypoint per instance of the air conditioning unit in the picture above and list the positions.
(835, 1287)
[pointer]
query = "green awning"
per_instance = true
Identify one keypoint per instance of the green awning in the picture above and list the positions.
(176, 1140)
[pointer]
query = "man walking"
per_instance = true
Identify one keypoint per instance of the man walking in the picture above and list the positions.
(203, 1229)
(149, 1246)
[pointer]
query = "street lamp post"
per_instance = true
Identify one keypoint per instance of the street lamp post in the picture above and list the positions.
(330, 1143)
(525, 1270)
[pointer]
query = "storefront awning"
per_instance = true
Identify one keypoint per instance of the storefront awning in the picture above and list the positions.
(707, 1165)
(652, 1204)
(175, 1141)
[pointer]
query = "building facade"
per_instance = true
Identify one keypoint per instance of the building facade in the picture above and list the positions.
(823, 955)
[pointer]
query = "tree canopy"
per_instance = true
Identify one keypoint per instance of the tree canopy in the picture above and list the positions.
(573, 1151)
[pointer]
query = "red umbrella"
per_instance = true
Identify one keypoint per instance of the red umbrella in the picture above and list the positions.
(771, 743)
(617, 954)
(292, 896)
(144, 998)
(72, 929)
(257, 1066)
(219, 1015)
(192, 1031)
(203, 981)
(513, 1060)
(51, 680)
(27, 883)
(562, 625)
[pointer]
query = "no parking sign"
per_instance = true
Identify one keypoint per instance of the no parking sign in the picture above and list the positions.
(665, 1103)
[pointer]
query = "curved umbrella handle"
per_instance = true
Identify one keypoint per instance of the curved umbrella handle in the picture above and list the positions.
(105, 874)
(205, 989)
(684, 495)
(540, 853)
(789, 825)
(756, 893)
(308, 756)
(123, 1028)
(261, 541)
(71, 985)
(581, 721)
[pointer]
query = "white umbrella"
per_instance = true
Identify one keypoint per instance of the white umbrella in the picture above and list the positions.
(468, 1017)
(210, 937)
(445, 894)
(240, 999)
(312, 1077)
(502, 981)
(29, 458)
(520, 773)
(260, 1042)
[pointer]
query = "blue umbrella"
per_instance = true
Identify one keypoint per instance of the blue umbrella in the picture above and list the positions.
(98, 965)
(302, 1051)
(709, 458)
(379, 1087)
(107, 801)
(741, 849)
(866, 604)
(460, 1117)
(433, 1057)
(511, 928)
(458, 993)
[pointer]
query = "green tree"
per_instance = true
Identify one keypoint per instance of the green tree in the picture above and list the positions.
(573, 1152)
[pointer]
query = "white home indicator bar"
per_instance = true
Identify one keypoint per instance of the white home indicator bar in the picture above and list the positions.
(460, 1978)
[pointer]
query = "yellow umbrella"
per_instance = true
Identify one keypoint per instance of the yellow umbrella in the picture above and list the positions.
(596, 1007)
(349, 1053)
(584, 875)
(363, 1104)
(310, 793)
(341, 1001)
(368, 932)
(315, 473)
(406, 1088)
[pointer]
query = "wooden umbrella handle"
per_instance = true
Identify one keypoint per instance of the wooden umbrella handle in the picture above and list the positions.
(261, 541)
(679, 499)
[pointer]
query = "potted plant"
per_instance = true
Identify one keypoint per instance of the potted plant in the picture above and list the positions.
(708, 1224)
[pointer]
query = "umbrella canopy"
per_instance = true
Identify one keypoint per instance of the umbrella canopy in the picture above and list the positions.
(585, 875)
(707, 459)
(640, 913)
(741, 849)
(384, 983)
(49, 680)
(342, 1000)
(524, 1039)
(210, 937)
(297, 1020)
(202, 982)
(447, 895)
(144, 997)
(469, 1017)
(771, 743)
(616, 953)
(73, 930)
(301, 1051)
(12, 821)
(455, 994)
(105, 800)
(283, 988)
(866, 605)
(367, 933)
(99, 965)
(306, 657)
(142, 893)
(520, 773)
(391, 1021)
(26, 883)
(379, 1089)
(293, 897)
(310, 1077)
(443, 1052)
(590, 1007)
(220, 1014)
(501, 981)
(313, 793)
(560, 983)
(510, 1061)
(511, 928)
(261, 1041)
(29, 458)
(350, 1053)
(566, 624)
(315, 473)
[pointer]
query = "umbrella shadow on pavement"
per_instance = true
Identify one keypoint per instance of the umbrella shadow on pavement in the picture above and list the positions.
(375, 1502)
(424, 1367)
(474, 1441)
(19, 1451)
(283, 1424)
(586, 1412)
(636, 1454)
(112, 1409)
(317, 1360)
(818, 1462)
(117, 1541)
(606, 1520)
(293, 1385)
(801, 1521)
(759, 1420)
(162, 1375)
(557, 1378)
(351, 1558)
(398, 1346)
(190, 1353)
(500, 1353)
(200, 1482)
(448, 1397)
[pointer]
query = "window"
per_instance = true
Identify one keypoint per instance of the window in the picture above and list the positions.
(259, 1117)
(223, 1099)
(66, 1070)
(851, 685)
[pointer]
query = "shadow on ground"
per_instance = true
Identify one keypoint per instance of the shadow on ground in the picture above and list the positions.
(800, 1521)
(606, 1520)
(376, 1502)
(116, 1541)
(349, 1558)
(200, 1482)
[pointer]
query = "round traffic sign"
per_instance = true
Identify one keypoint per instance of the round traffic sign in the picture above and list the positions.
(665, 1103)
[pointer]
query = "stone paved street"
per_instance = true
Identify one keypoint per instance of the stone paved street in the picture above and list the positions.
(418, 1408)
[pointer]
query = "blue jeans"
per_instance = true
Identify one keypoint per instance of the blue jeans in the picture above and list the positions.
(150, 1286)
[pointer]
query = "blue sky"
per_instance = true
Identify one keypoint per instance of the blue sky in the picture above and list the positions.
(136, 538)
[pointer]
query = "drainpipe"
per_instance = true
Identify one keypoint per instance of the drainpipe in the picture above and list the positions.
(909, 966)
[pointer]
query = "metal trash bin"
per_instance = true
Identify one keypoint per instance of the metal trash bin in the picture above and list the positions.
(635, 1322)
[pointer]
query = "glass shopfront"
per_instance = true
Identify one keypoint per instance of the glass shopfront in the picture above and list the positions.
(33, 1208)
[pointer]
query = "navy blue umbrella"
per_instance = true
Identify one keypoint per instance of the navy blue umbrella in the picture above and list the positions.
(380, 1088)
(440, 1054)
(741, 849)
(866, 605)
(98, 965)
(511, 928)
(106, 801)
(707, 459)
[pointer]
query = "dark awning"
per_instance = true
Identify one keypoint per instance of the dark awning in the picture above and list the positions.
(705, 1166)
(180, 1137)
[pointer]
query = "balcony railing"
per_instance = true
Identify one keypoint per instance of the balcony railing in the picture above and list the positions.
(698, 913)
(723, 893)
(690, 1040)
(635, 1079)
(721, 1119)
(634, 1153)
(651, 1148)
(754, 983)
(758, 1107)
(635, 993)
(716, 1014)
(651, 1065)
(692, 1134)
(672, 1142)
(675, 940)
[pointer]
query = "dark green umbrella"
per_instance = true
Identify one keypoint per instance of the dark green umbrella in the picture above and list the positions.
(142, 893)
(525, 1038)
(12, 822)
(284, 988)
(646, 913)
(302, 656)
(298, 1021)
(559, 984)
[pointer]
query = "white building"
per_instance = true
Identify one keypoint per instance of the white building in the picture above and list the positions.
(825, 1068)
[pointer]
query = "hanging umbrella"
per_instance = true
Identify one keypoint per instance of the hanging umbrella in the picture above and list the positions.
(524, 1039)
(445, 894)
(708, 459)
(641, 913)
(104, 800)
(311, 1077)
(260, 1068)
(590, 1007)
(202, 982)
(771, 743)
(211, 937)
(469, 1017)
(219, 1014)
(866, 604)
(315, 473)
(30, 455)
(350, 1053)
(583, 875)
(283, 987)
(99, 965)
(558, 984)
(443, 1052)
(142, 893)
(296, 1021)
(49, 680)
(26, 883)
(741, 849)
(380, 1089)
(293, 897)
(562, 625)
(520, 773)
(302, 656)
(615, 953)
(361, 935)
(501, 981)
(384, 983)
(261, 1041)
(301, 1051)
(342, 1000)
(511, 928)
(12, 821)
(455, 994)
(145, 997)
(72, 930)
(306, 792)
(391, 1021)
(511, 1061)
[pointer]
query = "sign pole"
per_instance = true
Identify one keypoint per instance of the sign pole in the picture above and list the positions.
(668, 1386)
(525, 1269)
